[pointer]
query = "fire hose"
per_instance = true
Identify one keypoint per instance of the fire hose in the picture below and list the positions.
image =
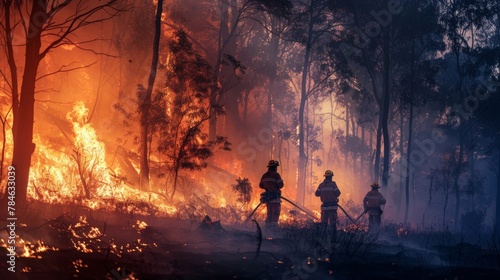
(307, 212)
(287, 200)
(253, 212)
(364, 212)
(348, 216)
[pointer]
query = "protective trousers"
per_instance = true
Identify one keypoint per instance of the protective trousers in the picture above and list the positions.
(374, 221)
(273, 214)
(329, 217)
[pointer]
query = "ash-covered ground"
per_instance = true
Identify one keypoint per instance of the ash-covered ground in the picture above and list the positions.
(104, 245)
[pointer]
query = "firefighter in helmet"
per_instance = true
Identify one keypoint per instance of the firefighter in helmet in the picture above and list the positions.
(372, 204)
(329, 194)
(272, 183)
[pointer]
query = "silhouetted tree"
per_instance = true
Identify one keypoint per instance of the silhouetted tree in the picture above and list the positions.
(57, 22)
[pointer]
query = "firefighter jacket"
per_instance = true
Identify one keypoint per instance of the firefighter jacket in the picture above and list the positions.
(271, 182)
(372, 202)
(329, 193)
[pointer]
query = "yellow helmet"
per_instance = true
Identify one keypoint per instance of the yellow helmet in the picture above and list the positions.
(375, 185)
(328, 173)
(273, 163)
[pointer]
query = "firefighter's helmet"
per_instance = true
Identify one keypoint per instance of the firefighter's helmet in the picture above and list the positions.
(328, 173)
(375, 185)
(273, 163)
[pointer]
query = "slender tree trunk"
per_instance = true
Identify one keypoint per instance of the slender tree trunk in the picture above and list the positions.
(444, 210)
(273, 66)
(23, 132)
(215, 94)
(12, 66)
(362, 155)
(410, 134)
(244, 114)
(408, 161)
(497, 215)
(401, 152)
(231, 108)
(458, 169)
(429, 201)
(354, 175)
(329, 161)
(301, 180)
(346, 152)
(386, 106)
(378, 147)
(146, 103)
(380, 103)
(176, 176)
(372, 154)
(4, 140)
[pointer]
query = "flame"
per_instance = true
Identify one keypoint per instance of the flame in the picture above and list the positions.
(30, 249)
(141, 225)
(78, 173)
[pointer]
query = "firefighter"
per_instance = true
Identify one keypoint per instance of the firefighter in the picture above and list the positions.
(272, 183)
(372, 204)
(329, 194)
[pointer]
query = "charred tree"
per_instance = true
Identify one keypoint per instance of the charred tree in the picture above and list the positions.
(145, 104)
(56, 33)
(23, 145)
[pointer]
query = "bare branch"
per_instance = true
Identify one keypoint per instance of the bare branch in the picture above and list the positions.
(81, 19)
(5, 78)
(22, 19)
(55, 102)
(65, 68)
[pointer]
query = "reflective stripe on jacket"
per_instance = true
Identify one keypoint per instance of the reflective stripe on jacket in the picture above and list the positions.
(328, 192)
(329, 206)
(271, 182)
(372, 202)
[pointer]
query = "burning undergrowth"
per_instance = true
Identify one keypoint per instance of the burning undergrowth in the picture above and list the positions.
(73, 166)
(101, 244)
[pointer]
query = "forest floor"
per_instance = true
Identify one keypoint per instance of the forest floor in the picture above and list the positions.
(103, 245)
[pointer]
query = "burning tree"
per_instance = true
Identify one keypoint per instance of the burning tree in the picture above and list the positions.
(177, 113)
(52, 24)
(189, 82)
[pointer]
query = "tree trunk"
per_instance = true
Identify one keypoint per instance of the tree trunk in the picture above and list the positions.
(386, 106)
(458, 171)
(401, 152)
(408, 162)
(497, 215)
(329, 161)
(301, 179)
(23, 132)
(362, 155)
(2, 155)
(429, 201)
(346, 152)
(223, 33)
(146, 103)
(12, 67)
(273, 66)
(231, 108)
(444, 210)
(378, 147)
(410, 134)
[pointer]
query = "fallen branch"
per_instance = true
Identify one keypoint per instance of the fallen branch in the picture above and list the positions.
(259, 238)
